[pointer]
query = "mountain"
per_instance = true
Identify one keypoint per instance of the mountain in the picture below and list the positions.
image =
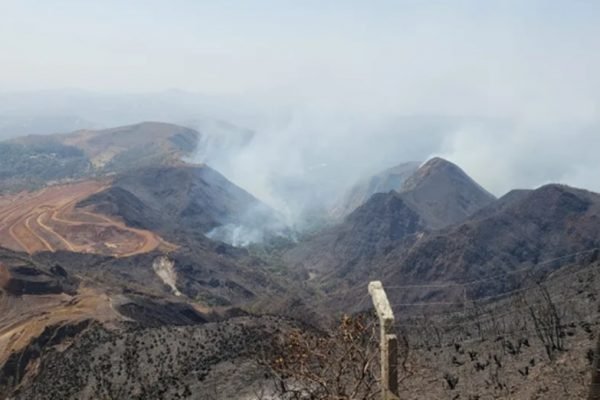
(119, 275)
(516, 241)
(519, 231)
(34, 161)
(383, 182)
(436, 195)
(443, 193)
(186, 198)
(110, 191)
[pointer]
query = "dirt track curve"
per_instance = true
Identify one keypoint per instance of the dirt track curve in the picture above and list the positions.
(47, 220)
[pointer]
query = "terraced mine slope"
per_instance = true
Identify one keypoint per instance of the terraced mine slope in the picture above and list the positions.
(47, 220)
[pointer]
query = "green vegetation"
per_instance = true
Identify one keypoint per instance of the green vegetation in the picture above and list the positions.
(29, 167)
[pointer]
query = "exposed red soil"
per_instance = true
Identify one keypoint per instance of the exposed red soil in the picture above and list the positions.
(25, 317)
(47, 220)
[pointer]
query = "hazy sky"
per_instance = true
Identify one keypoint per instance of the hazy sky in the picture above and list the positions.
(453, 56)
(533, 64)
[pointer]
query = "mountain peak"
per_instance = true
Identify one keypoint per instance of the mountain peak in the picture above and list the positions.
(435, 167)
(444, 193)
(390, 179)
(437, 162)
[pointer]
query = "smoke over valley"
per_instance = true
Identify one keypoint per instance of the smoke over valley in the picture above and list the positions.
(299, 200)
(302, 157)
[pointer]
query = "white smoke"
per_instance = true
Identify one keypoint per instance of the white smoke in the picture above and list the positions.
(237, 235)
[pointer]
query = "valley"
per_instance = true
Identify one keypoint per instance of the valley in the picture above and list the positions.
(308, 200)
(146, 276)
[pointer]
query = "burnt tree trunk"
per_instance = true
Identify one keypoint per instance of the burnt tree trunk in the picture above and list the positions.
(595, 385)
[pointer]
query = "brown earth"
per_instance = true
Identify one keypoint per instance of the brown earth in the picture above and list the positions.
(47, 220)
(26, 317)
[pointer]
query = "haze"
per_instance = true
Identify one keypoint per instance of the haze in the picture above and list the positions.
(334, 90)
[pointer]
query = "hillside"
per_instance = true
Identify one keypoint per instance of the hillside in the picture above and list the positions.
(47, 300)
(194, 199)
(489, 350)
(383, 182)
(443, 193)
(519, 231)
(214, 361)
(33, 161)
(524, 234)
(120, 279)
(436, 195)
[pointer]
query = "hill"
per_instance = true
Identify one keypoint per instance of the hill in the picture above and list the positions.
(436, 195)
(524, 235)
(195, 199)
(443, 193)
(52, 301)
(34, 161)
(383, 182)
(522, 229)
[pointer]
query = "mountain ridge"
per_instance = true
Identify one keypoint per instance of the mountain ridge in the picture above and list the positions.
(392, 219)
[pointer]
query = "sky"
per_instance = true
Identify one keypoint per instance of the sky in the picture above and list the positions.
(522, 77)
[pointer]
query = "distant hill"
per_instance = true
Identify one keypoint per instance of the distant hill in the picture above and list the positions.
(443, 193)
(37, 160)
(12, 126)
(383, 182)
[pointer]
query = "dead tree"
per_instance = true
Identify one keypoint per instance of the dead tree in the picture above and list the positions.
(547, 323)
(594, 393)
(342, 365)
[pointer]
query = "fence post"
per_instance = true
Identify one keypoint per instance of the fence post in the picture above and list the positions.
(388, 343)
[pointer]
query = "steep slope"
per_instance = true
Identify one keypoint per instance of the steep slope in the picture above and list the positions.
(187, 198)
(523, 229)
(210, 361)
(383, 182)
(350, 248)
(519, 239)
(48, 300)
(436, 195)
(443, 193)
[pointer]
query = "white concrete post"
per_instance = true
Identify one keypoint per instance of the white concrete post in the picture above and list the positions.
(388, 344)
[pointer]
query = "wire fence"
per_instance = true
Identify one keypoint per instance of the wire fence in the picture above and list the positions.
(468, 318)
(460, 329)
